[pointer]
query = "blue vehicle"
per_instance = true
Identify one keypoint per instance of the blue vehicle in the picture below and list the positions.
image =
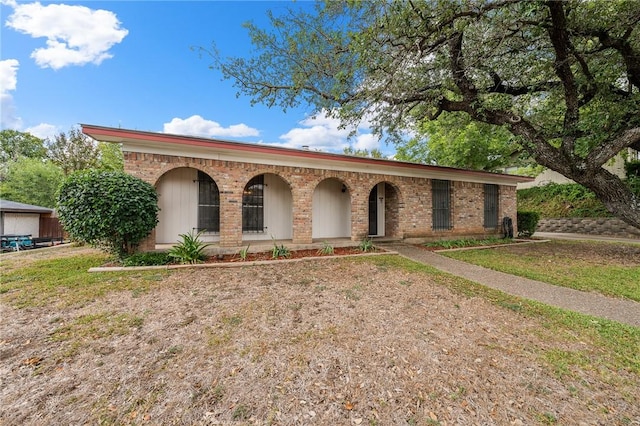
(15, 242)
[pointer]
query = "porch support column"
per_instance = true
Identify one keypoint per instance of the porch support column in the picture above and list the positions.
(302, 215)
(359, 214)
(230, 218)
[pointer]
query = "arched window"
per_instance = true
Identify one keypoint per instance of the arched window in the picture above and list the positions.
(253, 205)
(208, 204)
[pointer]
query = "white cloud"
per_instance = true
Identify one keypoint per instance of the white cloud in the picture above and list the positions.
(367, 141)
(8, 113)
(9, 74)
(8, 83)
(43, 130)
(324, 133)
(76, 35)
(198, 126)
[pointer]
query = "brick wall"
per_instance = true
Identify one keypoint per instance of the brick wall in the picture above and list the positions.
(595, 226)
(408, 199)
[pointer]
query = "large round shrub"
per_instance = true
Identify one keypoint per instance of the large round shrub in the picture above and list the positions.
(108, 209)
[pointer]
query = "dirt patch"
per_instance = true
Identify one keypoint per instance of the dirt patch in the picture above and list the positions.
(328, 342)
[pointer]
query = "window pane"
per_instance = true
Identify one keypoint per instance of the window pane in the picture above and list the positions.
(441, 204)
(208, 204)
(253, 205)
(490, 206)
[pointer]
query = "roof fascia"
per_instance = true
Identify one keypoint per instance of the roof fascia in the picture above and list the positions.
(167, 144)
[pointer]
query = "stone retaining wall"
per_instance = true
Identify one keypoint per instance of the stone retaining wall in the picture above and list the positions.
(595, 226)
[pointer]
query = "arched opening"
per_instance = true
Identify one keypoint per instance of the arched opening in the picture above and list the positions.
(189, 201)
(331, 210)
(384, 202)
(267, 208)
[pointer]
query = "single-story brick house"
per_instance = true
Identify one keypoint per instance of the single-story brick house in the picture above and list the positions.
(240, 192)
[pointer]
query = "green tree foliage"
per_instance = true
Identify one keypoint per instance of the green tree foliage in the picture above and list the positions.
(15, 145)
(561, 77)
(74, 151)
(31, 181)
(112, 210)
(455, 140)
(374, 153)
(563, 200)
(110, 156)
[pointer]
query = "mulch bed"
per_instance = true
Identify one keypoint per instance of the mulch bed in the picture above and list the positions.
(294, 254)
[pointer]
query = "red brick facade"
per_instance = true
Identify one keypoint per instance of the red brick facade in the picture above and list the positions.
(407, 207)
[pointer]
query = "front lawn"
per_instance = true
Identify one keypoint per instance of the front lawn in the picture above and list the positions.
(608, 268)
(340, 341)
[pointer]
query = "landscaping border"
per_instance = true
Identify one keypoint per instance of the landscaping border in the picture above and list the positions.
(237, 264)
(609, 226)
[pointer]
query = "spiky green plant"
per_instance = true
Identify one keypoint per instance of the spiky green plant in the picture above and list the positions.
(280, 251)
(326, 249)
(366, 245)
(190, 249)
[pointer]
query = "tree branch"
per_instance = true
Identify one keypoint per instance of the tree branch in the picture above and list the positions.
(562, 66)
(607, 150)
(458, 70)
(499, 86)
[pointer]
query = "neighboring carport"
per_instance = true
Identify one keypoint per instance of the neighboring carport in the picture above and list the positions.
(39, 223)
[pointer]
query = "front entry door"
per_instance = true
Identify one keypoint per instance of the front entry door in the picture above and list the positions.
(373, 211)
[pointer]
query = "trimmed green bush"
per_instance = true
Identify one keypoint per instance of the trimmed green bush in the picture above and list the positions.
(108, 209)
(149, 258)
(527, 223)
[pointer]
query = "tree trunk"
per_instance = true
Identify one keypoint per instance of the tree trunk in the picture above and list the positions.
(614, 194)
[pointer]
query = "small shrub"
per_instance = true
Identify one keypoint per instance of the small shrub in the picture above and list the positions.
(190, 249)
(111, 210)
(632, 168)
(280, 251)
(470, 242)
(150, 258)
(327, 249)
(527, 223)
(366, 245)
(244, 252)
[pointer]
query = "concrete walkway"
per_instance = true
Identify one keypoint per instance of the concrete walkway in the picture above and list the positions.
(621, 310)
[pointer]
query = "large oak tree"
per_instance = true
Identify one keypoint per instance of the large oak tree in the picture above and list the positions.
(562, 76)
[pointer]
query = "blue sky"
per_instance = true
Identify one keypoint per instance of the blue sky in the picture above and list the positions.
(131, 64)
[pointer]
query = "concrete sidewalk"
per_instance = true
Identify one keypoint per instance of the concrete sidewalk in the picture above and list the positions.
(621, 310)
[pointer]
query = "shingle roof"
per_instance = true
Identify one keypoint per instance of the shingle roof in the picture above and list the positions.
(15, 207)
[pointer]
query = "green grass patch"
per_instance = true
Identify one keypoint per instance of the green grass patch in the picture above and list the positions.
(562, 360)
(614, 346)
(97, 326)
(65, 281)
(468, 242)
(610, 280)
(78, 333)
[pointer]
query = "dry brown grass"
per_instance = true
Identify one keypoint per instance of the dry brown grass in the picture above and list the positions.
(328, 342)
